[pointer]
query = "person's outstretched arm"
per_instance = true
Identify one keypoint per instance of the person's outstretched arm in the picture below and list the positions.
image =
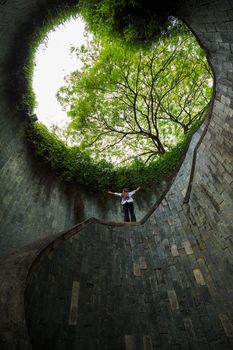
(115, 193)
(110, 192)
(137, 189)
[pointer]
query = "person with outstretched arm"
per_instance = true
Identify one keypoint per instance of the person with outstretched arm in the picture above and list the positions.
(127, 203)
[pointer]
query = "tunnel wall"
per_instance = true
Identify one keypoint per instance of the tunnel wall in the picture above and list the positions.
(162, 284)
(178, 264)
(34, 203)
(212, 193)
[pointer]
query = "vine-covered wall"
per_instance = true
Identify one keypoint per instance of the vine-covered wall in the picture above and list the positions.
(33, 200)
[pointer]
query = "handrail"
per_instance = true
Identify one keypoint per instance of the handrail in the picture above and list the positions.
(190, 184)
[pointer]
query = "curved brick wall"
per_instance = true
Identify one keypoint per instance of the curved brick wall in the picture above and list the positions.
(33, 201)
(212, 194)
(164, 284)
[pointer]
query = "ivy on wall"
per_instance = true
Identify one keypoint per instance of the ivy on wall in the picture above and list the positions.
(75, 166)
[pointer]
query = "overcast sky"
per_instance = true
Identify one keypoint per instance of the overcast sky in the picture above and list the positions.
(53, 62)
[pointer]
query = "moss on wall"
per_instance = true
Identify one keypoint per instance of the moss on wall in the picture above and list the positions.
(75, 166)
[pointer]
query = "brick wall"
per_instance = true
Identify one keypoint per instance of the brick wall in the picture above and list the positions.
(34, 203)
(166, 284)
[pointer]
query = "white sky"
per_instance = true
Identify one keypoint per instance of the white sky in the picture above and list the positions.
(53, 61)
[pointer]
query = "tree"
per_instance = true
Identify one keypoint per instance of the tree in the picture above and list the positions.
(137, 103)
(133, 22)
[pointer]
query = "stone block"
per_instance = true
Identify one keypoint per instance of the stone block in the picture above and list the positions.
(173, 300)
(142, 263)
(187, 246)
(227, 324)
(174, 250)
(73, 316)
(136, 270)
(130, 342)
(199, 277)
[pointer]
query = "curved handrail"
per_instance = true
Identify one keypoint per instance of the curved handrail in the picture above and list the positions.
(190, 184)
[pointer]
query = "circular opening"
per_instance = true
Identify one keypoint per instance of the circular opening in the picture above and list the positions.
(167, 87)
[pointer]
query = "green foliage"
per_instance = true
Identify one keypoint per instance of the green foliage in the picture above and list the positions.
(137, 103)
(74, 166)
(133, 22)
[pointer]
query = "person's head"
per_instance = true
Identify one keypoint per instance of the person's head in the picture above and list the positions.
(125, 193)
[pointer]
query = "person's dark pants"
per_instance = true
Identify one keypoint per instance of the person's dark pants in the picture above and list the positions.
(128, 208)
